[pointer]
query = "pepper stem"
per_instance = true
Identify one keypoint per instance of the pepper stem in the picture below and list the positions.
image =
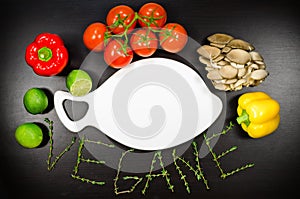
(44, 54)
(243, 118)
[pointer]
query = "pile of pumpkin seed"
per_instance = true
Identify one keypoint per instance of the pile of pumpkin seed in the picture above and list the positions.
(232, 63)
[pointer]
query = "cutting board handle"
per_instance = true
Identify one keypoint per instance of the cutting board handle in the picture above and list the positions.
(74, 126)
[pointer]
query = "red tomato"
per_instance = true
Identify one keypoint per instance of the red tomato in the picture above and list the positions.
(144, 42)
(173, 37)
(93, 36)
(116, 54)
(118, 16)
(153, 13)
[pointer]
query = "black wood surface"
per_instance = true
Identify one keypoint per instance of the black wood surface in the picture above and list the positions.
(272, 27)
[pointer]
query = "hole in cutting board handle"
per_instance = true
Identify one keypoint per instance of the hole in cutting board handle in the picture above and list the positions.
(75, 110)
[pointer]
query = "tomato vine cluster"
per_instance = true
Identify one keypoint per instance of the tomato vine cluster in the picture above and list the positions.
(120, 39)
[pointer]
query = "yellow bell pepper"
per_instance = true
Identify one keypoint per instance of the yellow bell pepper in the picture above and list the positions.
(258, 114)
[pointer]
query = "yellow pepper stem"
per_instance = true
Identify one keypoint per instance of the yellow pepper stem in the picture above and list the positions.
(243, 118)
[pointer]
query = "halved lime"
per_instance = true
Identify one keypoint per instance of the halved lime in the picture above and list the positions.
(79, 82)
(35, 100)
(29, 135)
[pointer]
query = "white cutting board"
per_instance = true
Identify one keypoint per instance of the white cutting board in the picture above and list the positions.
(151, 104)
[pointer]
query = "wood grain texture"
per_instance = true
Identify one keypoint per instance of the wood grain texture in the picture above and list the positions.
(273, 29)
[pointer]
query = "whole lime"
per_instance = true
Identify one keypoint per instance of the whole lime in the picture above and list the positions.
(35, 100)
(29, 135)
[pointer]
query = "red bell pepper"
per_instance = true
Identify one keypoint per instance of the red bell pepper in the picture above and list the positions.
(47, 54)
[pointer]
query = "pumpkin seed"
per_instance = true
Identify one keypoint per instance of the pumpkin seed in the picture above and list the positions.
(259, 62)
(228, 72)
(254, 66)
(220, 81)
(239, 56)
(255, 56)
(226, 49)
(241, 72)
(219, 58)
(259, 74)
(239, 83)
(240, 44)
(230, 81)
(213, 75)
(238, 88)
(209, 52)
(222, 63)
(220, 38)
(209, 68)
(204, 60)
(218, 45)
(221, 87)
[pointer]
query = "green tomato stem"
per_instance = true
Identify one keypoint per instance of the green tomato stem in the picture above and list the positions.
(124, 34)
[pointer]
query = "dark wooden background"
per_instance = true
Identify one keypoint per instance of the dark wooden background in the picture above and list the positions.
(272, 27)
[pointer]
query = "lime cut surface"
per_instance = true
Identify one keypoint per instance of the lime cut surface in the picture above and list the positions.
(29, 135)
(35, 101)
(79, 82)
